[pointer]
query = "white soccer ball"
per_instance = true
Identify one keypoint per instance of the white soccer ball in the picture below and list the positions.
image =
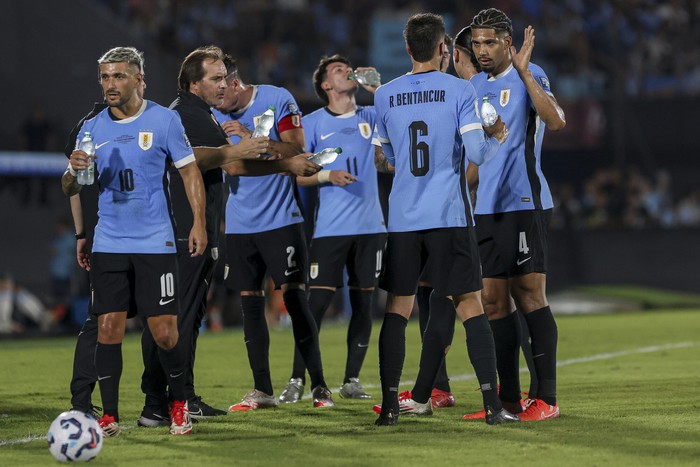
(75, 436)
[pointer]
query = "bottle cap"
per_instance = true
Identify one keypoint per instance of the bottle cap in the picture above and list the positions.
(338, 150)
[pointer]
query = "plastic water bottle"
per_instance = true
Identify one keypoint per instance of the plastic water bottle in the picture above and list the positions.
(366, 77)
(327, 156)
(267, 119)
(488, 113)
(86, 176)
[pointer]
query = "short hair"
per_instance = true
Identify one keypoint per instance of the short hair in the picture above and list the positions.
(231, 68)
(463, 41)
(493, 18)
(320, 74)
(191, 69)
(448, 40)
(129, 55)
(423, 32)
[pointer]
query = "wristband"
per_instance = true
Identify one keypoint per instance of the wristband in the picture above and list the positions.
(324, 176)
(72, 172)
(80, 236)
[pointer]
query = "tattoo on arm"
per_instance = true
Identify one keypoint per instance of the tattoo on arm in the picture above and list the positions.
(380, 161)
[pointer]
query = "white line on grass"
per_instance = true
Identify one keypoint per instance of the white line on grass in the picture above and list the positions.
(465, 377)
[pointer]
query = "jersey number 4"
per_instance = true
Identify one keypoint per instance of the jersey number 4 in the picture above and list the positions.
(420, 151)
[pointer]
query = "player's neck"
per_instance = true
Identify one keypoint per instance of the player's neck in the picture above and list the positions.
(503, 67)
(423, 67)
(246, 96)
(342, 103)
(131, 108)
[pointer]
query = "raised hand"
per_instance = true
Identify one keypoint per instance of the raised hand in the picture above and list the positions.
(521, 59)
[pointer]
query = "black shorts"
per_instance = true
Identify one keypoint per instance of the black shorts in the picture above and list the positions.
(281, 252)
(513, 243)
(362, 254)
(150, 281)
(450, 257)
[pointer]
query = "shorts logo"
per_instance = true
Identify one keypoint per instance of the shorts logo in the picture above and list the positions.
(519, 262)
(145, 140)
(365, 130)
(215, 253)
(165, 302)
(505, 97)
(225, 271)
(313, 271)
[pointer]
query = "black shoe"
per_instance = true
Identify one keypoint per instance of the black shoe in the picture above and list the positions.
(500, 417)
(153, 417)
(386, 419)
(200, 409)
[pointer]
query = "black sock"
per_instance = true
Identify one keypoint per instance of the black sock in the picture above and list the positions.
(154, 381)
(442, 381)
(359, 331)
(108, 363)
(84, 374)
(544, 336)
(505, 338)
(319, 300)
(392, 351)
(305, 333)
(423, 300)
(174, 362)
(257, 341)
(437, 336)
(524, 340)
(482, 355)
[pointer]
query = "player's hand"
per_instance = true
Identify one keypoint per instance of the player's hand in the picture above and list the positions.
(251, 148)
(498, 130)
(521, 60)
(236, 128)
(198, 240)
(371, 89)
(300, 165)
(79, 160)
(341, 178)
(83, 254)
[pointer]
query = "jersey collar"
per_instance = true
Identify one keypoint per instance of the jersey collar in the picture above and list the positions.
(502, 74)
(144, 104)
(249, 104)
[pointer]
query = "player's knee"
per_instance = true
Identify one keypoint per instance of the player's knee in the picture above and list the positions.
(165, 336)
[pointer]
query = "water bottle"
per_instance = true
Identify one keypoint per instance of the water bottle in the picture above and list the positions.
(326, 156)
(267, 119)
(488, 113)
(366, 77)
(86, 176)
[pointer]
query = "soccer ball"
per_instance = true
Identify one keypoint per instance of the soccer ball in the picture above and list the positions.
(75, 436)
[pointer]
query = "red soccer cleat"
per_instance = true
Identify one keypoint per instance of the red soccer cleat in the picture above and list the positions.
(441, 399)
(539, 410)
(402, 396)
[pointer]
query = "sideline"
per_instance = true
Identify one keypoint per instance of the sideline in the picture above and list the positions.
(465, 377)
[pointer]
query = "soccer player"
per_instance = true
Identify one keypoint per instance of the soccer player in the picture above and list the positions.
(134, 247)
(264, 233)
(349, 229)
(424, 119)
(513, 209)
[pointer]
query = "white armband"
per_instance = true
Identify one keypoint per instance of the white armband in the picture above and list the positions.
(72, 172)
(324, 176)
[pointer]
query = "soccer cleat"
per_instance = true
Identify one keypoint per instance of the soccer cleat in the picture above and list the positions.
(254, 400)
(386, 419)
(110, 427)
(180, 423)
(539, 410)
(402, 396)
(512, 407)
(500, 417)
(293, 391)
(322, 397)
(411, 407)
(353, 390)
(153, 417)
(200, 409)
(440, 399)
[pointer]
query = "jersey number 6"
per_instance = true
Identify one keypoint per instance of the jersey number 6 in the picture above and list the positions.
(420, 152)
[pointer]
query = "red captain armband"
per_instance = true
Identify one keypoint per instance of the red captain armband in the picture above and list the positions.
(290, 122)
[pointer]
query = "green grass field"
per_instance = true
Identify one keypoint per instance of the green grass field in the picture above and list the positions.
(628, 392)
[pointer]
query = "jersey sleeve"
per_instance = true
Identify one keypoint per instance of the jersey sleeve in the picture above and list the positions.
(541, 78)
(477, 146)
(288, 113)
(179, 148)
(310, 133)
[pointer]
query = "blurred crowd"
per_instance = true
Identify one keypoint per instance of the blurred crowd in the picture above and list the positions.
(625, 198)
(589, 47)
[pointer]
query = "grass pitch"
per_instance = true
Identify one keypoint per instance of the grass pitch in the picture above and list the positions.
(628, 392)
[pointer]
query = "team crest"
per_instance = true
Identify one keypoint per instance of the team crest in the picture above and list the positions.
(296, 120)
(313, 271)
(365, 130)
(505, 97)
(145, 140)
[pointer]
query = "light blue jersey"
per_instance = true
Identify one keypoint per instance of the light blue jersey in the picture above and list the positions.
(422, 121)
(353, 209)
(513, 179)
(259, 204)
(133, 156)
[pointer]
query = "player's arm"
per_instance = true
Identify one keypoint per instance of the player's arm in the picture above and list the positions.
(472, 181)
(292, 138)
(478, 145)
(194, 187)
(69, 180)
(82, 252)
(213, 157)
(545, 104)
(380, 161)
(334, 177)
(298, 165)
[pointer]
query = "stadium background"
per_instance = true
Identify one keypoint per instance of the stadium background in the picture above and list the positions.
(627, 73)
